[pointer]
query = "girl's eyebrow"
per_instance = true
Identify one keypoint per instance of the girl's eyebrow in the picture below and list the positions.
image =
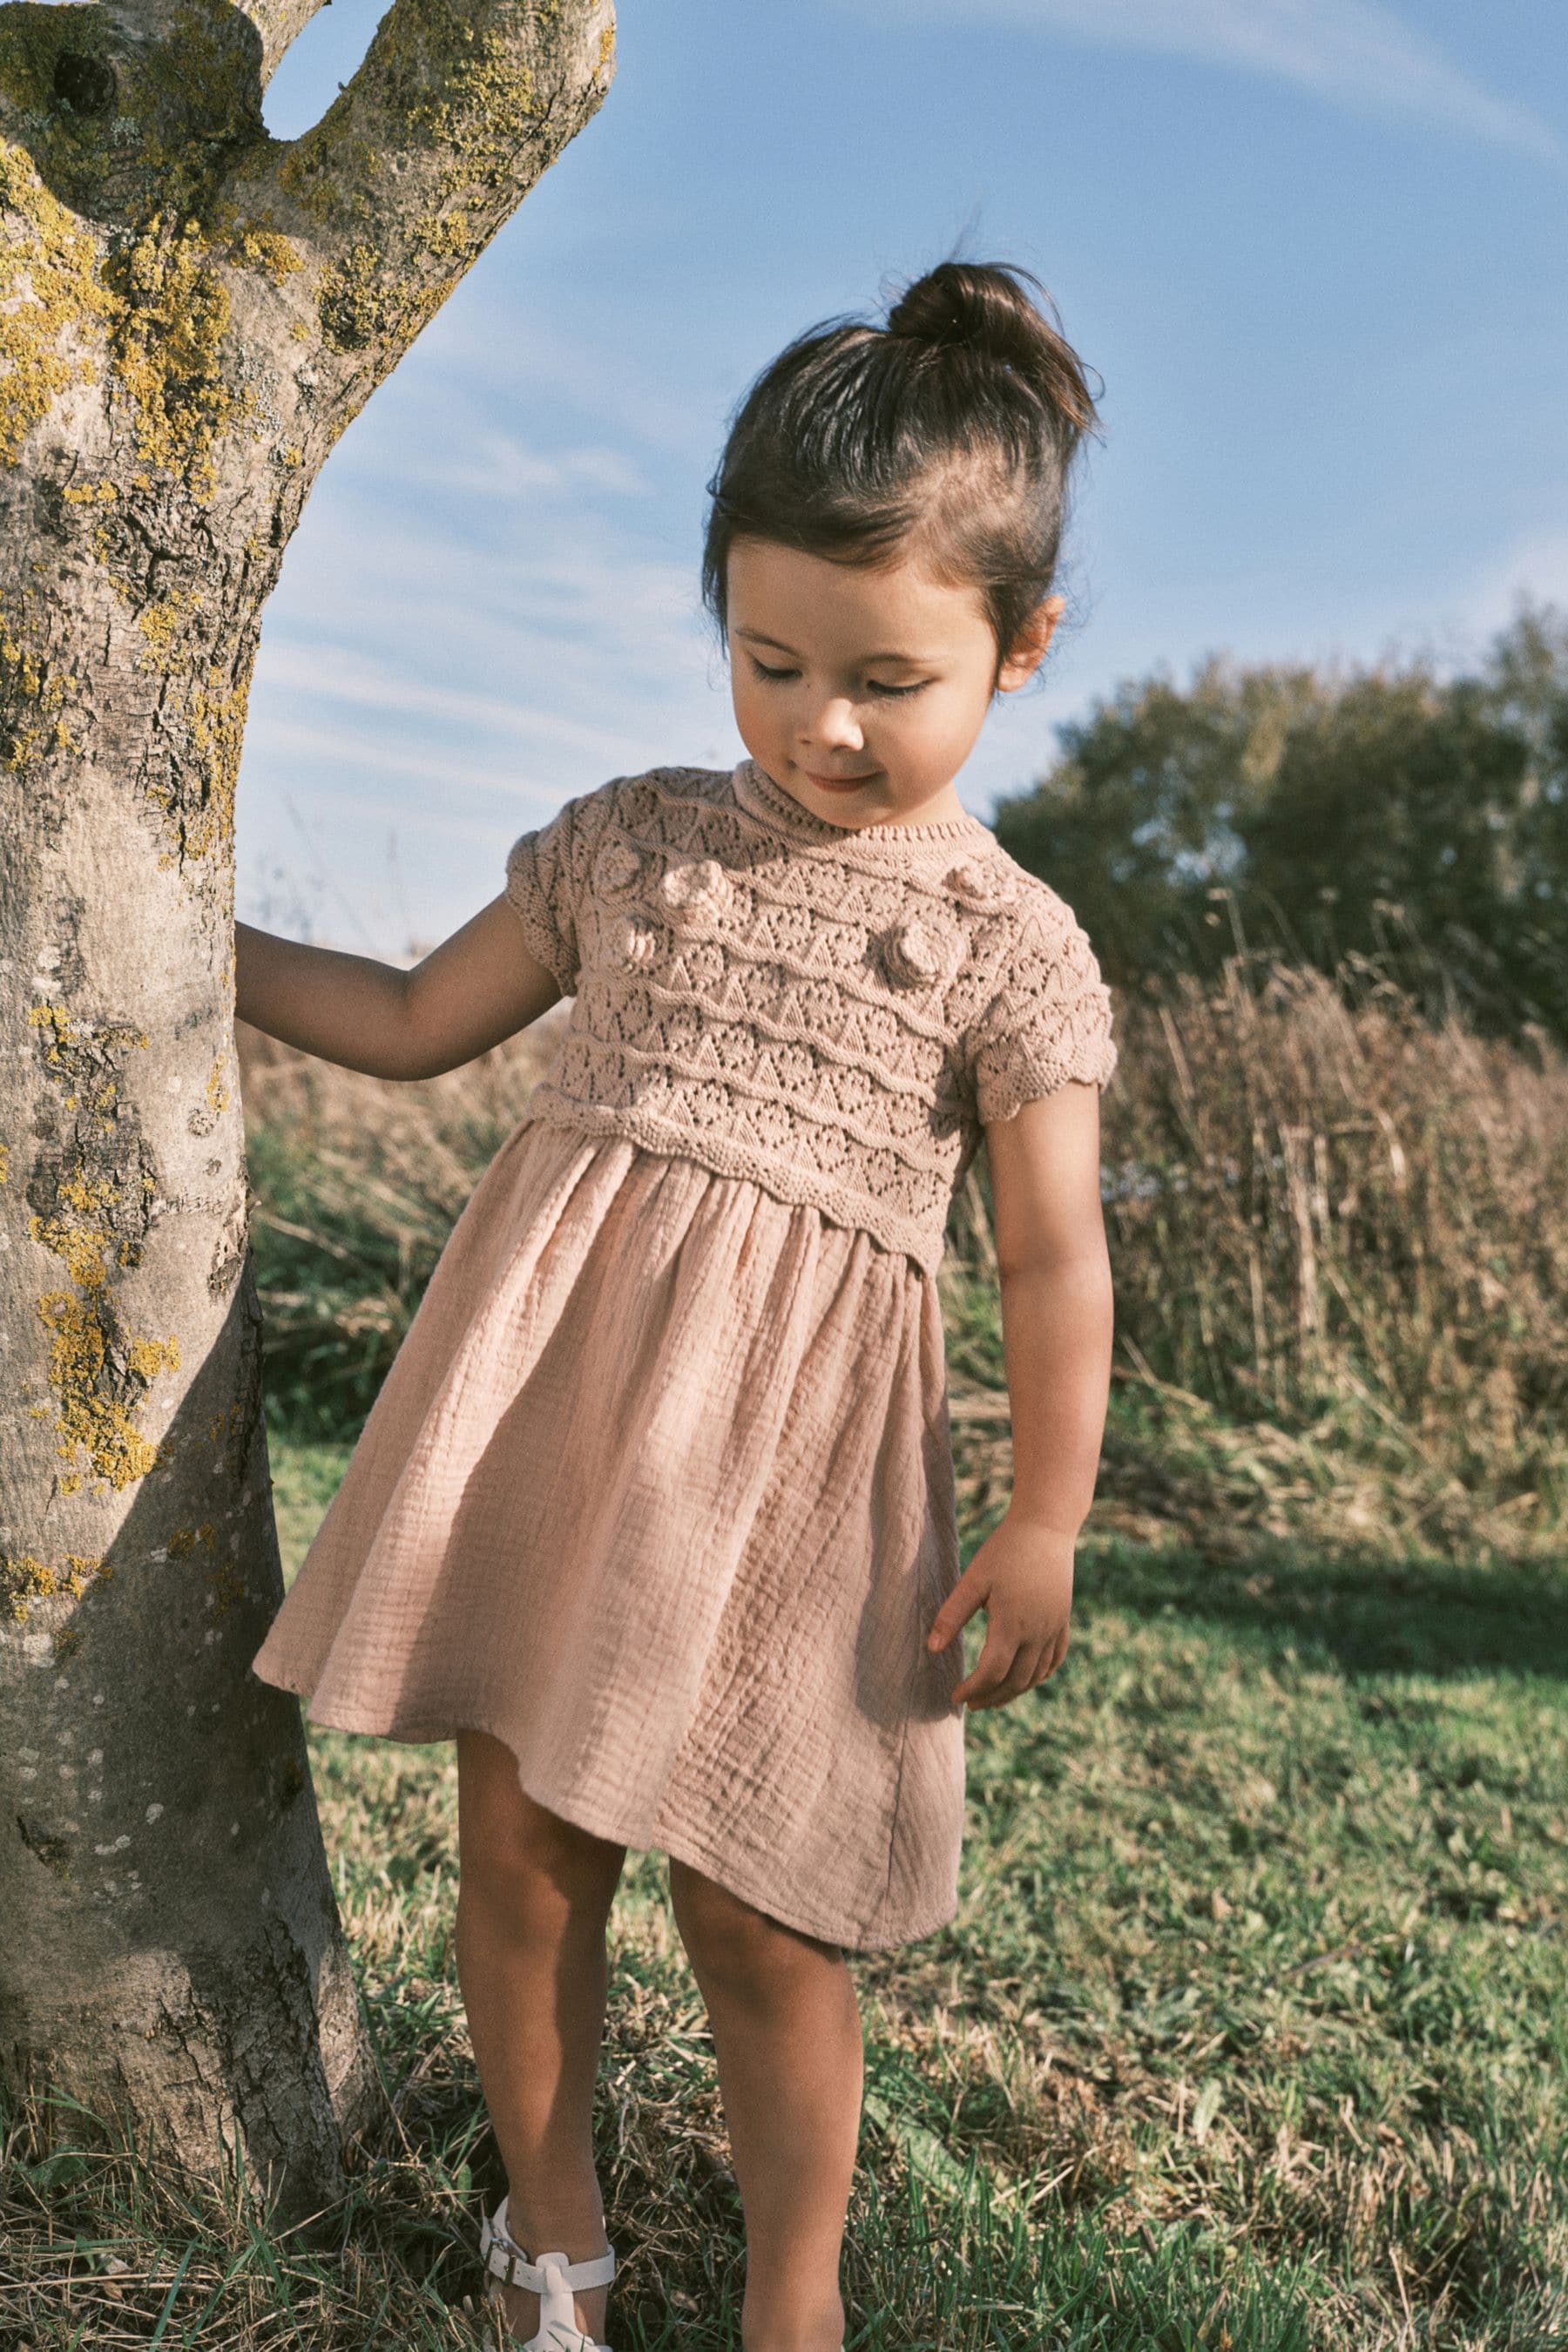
(755, 637)
(777, 644)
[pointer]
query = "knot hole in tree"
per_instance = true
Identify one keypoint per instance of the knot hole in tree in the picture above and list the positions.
(85, 84)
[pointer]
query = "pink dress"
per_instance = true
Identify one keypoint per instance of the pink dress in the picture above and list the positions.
(659, 1489)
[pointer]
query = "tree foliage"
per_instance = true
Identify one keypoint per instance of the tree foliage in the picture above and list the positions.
(1385, 809)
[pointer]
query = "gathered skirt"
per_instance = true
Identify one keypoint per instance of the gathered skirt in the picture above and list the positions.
(659, 1491)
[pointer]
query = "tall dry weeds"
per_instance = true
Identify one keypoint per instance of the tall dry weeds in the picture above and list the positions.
(1326, 1215)
(1314, 1194)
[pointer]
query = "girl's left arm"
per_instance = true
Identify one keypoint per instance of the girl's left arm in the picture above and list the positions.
(1057, 1314)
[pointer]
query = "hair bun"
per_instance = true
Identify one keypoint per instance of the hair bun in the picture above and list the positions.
(983, 308)
(956, 302)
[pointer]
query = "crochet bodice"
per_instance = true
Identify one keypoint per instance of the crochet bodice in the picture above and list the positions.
(835, 1012)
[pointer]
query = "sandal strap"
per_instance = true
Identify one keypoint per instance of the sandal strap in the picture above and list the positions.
(552, 2277)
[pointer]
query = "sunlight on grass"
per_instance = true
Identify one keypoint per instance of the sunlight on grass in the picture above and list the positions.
(1251, 2033)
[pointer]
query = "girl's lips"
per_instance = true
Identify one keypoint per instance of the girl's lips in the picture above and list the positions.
(836, 783)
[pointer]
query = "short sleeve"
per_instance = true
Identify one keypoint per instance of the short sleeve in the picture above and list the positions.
(544, 878)
(1047, 1021)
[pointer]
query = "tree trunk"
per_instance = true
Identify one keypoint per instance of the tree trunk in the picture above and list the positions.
(191, 312)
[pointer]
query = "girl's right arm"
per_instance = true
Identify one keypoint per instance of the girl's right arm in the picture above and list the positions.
(477, 988)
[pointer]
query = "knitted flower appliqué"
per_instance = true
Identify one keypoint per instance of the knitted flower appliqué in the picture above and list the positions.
(618, 865)
(922, 952)
(697, 887)
(635, 944)
(980, 886)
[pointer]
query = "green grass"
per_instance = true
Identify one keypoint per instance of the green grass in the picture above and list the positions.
(1249, 2032)
(1252, 2014)
(1252, 2020)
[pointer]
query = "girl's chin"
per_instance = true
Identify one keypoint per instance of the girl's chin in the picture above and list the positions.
(841, 784)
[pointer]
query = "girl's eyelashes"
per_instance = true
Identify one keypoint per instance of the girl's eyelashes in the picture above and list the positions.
(874, 685)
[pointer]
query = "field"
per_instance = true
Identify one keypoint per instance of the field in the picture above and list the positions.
(1251, 2030)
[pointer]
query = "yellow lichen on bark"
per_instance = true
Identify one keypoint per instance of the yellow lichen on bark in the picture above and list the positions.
(69, 1233)
(23, 1578)
(58, 1021)
(159, 624)
(163, 310)
(98, 1373)
(63, 1051)
(353, 301)
(475, 121)
(260, 246)
(476, 117)
(92, 1419)
(226, 1585)
(472, 124)
(34, 680)
(166, 343)
(224, 1581)
(215, 714)
(50, 293)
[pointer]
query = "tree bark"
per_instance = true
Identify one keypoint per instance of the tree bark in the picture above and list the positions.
(191, 312)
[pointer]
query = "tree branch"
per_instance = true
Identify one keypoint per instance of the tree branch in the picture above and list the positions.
(457, 109)
(276, 25)
(279, 23)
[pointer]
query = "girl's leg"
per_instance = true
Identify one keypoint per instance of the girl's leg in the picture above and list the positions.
(533, 1897)
(787, 2036)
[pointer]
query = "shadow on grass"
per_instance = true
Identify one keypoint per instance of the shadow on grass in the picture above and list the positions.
(1367, 1612)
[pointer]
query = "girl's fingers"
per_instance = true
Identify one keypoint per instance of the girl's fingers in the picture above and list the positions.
(954, 1613)
(1021, 1676)
(1051, 1657)
(992, 1669)
(1005, 1668)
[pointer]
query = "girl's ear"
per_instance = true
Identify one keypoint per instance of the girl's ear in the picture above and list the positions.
(1029, 647)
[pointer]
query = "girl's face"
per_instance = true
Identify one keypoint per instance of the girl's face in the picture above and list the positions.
(861, 692)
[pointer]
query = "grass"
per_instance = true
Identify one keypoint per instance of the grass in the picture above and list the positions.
(1250, 2033)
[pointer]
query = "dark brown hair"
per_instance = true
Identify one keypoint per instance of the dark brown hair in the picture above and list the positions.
(957, 421)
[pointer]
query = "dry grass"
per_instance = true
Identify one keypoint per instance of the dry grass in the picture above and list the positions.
(1250, 2033)
(1341, 1248)
(1348, 1198)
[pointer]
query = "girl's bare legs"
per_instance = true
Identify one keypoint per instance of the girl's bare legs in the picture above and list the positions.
(533, 1898)
(787, 2036)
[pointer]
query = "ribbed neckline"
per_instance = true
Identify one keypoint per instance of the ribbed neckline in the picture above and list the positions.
(756, 790)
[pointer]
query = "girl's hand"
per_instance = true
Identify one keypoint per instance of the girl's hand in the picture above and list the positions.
(1022, 1576)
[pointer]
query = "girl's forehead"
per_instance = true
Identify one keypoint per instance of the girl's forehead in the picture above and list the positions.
(774, 590)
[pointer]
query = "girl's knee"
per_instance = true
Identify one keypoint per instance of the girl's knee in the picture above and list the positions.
(725, 1935)
(507, 1840)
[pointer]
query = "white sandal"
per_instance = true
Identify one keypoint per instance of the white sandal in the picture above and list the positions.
(552, 2279)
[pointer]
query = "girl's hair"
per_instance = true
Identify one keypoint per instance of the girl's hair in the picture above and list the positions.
(956, 423)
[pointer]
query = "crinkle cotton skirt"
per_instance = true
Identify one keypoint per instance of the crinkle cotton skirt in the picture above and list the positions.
(659, 1491)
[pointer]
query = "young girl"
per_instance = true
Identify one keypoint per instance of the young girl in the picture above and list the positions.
(654, 1513)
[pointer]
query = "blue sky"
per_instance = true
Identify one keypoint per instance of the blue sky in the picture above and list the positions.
(1314, 247)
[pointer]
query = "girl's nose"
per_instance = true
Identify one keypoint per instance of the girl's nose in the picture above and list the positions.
(836, 727)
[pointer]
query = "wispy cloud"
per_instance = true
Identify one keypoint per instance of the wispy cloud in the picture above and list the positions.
(1353, 53)
(459, 690)
(496, 464)
(1530, 570)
